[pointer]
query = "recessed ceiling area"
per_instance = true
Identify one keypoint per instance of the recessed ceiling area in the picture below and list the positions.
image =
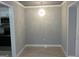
(38, 3)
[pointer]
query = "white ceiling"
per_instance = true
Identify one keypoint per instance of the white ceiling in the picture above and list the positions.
(38, 3)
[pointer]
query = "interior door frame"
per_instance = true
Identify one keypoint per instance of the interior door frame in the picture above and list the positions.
(75, 2)
(12, 29)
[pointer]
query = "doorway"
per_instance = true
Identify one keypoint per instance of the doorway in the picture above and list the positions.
(10, 31)
(5, 36)
(72, 30)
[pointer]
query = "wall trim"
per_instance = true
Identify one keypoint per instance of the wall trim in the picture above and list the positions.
(63, 3)
(64, 51)
(71, 56)
(5, 4)
(73, 3)
(19, 4)
(38, 45)
(42, 45)
(42, 6)
(20, 51)
(39, 6)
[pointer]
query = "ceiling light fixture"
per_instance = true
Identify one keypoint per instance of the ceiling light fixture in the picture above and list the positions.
(41, 11)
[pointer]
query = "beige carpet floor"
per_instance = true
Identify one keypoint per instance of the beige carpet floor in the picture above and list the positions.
(42, 52)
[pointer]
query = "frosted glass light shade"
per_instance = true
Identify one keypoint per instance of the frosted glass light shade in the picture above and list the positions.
(41, 12)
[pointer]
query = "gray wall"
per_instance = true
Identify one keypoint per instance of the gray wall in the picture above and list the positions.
(19, 25)
(72, 31)
(43, 30)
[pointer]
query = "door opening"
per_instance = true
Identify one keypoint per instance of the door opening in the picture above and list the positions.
(7, 30)
(72, 30)
(5, 36)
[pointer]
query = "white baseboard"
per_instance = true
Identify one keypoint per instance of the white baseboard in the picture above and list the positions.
(42, 45)
(64, 52)
(66, 55)
(39, 45)
(71, 56)
(20, 51)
